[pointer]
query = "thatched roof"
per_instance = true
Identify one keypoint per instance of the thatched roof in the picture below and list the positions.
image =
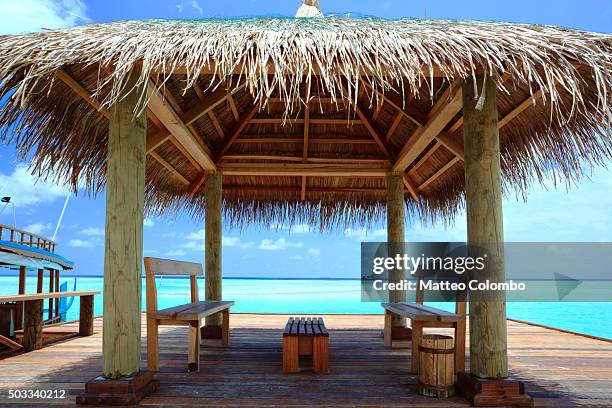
(382, 95)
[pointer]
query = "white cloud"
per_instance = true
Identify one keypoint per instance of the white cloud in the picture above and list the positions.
(363, 234)
(24, 191)
(193, 245)
(196, 236)
(278, 245)
(180, 6)
(93, 232)
(196, 5)
(34, 15)
(235, 242)
(81, 243)
(314, 251)
(38, 228)
(149, 222)
(176, 252)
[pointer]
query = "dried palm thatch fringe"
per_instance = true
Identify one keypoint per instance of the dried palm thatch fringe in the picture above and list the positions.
(572, 70)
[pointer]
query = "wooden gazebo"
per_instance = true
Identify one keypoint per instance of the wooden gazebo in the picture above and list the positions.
(333, 122)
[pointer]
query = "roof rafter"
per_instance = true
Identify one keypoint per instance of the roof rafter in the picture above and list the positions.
(153, 140)
(444, 110)
(237, 130)
(384, 147)
(305, 149)
(160, 106)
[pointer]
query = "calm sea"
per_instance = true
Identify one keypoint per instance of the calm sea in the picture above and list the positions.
(318, 296)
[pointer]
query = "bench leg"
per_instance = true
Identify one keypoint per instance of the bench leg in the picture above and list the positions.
(193, 361)
(387, 333)
(290, 354)
(152, 345)
(225, 316)
(417, 332)
(320, 354)
(460, 346)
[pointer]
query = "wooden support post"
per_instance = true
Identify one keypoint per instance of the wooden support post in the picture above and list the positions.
(395, 236)
(32, 326)
(123, 242)
(51, 286)
(483, 196)
(20, 305)
(213, 244)
(86, 320)
(57, 289)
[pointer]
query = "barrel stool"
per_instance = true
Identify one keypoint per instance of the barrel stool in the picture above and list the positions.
(436, 366)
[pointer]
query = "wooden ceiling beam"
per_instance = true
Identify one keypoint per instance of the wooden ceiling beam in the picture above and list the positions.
(437, 174)
(300, 159)
(393, 127)
(170, 168)
(153, 139)
(447, 107)
(236, 131)
(305, 149)
(283, 139)
(405, 108)
(160, 106)
(384, 147)
(528, 102)
(313, 189)
(205, 105)
(81, 91)
(302, 169)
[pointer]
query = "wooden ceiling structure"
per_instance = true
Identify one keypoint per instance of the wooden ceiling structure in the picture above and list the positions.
(192, 133)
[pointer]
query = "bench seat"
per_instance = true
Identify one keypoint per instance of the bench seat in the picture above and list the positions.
(191, 311)
(414, 311)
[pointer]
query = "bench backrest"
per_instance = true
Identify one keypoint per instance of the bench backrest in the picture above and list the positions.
(460, 301)
(158, 266)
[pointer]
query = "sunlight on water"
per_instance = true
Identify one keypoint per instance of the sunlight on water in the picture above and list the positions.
(327, 296)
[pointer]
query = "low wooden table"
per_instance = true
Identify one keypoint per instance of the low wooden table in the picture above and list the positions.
(305, 337)
(33, 316)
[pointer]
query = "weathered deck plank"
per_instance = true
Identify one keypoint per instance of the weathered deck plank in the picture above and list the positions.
(560, 369)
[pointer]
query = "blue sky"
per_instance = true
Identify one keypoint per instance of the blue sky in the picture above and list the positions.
(580, 213)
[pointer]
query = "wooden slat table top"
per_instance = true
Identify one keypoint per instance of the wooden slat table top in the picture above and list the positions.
(560, 369)
(421, 312)
(192, 311)
(53, 295)
(305, 326)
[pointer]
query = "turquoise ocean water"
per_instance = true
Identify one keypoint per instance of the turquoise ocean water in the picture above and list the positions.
(319, 296)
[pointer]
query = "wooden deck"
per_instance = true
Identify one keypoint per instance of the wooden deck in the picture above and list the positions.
(561, 369)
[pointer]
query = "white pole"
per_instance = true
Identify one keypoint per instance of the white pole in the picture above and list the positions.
(60, 218)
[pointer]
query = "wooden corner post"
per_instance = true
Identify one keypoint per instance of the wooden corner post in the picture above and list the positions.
(212, 254)
(483, 196)
(395, 236)
(125, 176)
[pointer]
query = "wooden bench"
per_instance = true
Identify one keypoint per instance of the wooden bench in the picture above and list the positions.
(190, 314)
(424, 316)
(33, 316)
(305, 337)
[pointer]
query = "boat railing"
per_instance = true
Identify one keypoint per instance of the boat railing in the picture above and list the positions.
(23, 237)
